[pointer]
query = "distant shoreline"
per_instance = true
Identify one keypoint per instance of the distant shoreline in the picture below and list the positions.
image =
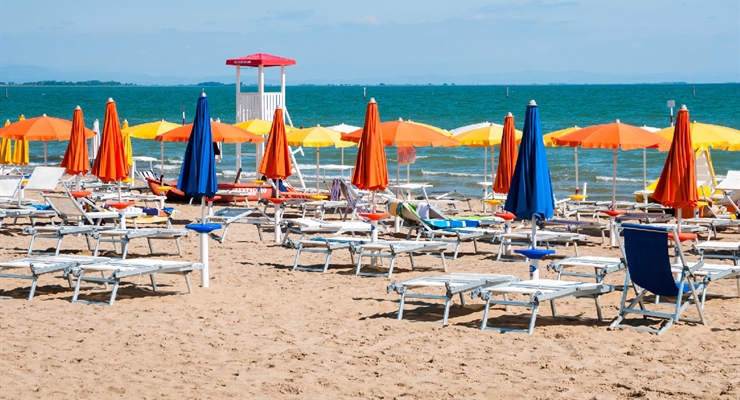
(219, 84)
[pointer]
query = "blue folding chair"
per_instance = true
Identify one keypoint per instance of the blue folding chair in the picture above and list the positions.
(646, 253)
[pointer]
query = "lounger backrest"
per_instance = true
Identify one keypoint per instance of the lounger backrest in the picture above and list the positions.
(67, 207)
(648, 261)
(45, 178)
(9, 185)
(731, 182)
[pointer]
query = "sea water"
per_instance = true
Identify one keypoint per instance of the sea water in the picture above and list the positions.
(448, 107)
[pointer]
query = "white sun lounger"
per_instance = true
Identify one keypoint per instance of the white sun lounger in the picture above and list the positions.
(538, 291)
(602, 266)
(541, 236)
(230, 215)
(324, 245)
(124, 236)
(719, 250)
(307, 226)
(712, 272)
(391, 248)
(122, 269)
(38, 266)
(453, 284)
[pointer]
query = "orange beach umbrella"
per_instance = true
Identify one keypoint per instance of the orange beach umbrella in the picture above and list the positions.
(221, 133)
(506, 157)
(110, 164)
(75, 157)
(276, 161)
(371, 170)
(677, 185)
(406, 134)
(41, 128)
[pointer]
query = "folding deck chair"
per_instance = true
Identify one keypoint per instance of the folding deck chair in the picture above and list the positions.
(649, 268)
(392, 248)
(118, 270)
(38, 266)
(453, 284)
(539, 291)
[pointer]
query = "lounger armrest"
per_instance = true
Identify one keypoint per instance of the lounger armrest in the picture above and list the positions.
(693, 268)
(398, 287)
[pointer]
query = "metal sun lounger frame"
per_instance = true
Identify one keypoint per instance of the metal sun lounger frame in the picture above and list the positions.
(307, 226)
(391, 248)
(713, 249)
(547, 237)
(124, 236)
(602, 266)
(539, 291)
(324, 245)
(121, 269)
(44, 265)
(230, 215)
(453, 284)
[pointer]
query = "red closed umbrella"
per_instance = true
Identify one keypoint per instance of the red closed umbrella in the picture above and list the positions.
(371, 168)
(276, 161)
(506, 157)
(110, 164)
(677, 185)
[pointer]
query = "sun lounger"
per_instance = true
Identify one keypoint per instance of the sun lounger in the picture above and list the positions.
(536, 292)
(730, 187)
(713, 223)
(602, 266)
(324, 245)
(719, 250)
(452, 284)
(547, 238)
(575, 226)
(31, 213)
(230, 215)
(38, 266)
(115, 271)
(392, 248)
(124, 236)
(308, 226)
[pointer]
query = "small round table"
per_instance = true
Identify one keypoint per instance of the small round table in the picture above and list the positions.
(613, 214)
(78, 194)
(493, 203)
(534, 255)
(120, 206)
(507, 217)
(259, 183)
(203, 230)
(374, 217)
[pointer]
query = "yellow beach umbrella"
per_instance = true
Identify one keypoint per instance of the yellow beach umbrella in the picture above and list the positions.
(708, 135)
(127, 149)
(548, 138)
(487, 136)
(149, 130)
(317, 137)
(6, 151)
(260, 126)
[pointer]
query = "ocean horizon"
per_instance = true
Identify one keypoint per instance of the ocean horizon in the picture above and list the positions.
(445, 106)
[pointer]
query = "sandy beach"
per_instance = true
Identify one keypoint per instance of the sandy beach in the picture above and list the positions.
(264, 331)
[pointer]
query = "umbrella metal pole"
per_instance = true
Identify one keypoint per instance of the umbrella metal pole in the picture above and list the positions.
(44, 152)
(77, 182)
(678, 225)
(408, 173)
(204, 277)
(493, 173)
(317, 169)
(398, 166)
(644, 169)
(575, 156)
(614, 181)
(534, 270)
(161, 151)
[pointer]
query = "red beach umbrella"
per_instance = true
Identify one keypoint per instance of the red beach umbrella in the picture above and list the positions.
(276, 161)
(677, 185)
(110, 164)
(506, 157)
(371, 169)
(75, 157)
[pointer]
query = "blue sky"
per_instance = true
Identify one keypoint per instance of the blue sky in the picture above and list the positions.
(346, 40)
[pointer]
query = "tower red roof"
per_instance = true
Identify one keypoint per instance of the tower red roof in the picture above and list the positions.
(264, 59)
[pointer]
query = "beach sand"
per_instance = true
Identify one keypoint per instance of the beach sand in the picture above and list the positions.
(264, 331)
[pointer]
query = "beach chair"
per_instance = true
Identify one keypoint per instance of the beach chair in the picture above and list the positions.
(448, 230)
(536, 291)
(38, 266)
(649, 269)
(115, 271)
(573, 266)
(377, 251)
(452, 284)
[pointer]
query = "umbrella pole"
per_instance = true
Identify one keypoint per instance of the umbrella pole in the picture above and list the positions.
(493, 173)
(317, 169)
(678, 225)
(161, 169)
(485, 171)
(408, 173)
(204, 277)
(374, 223)
(398, 166)
(77, 181)
(575, 155)
(644, 168)
(614, 181)
(534, 270)
(44, 153)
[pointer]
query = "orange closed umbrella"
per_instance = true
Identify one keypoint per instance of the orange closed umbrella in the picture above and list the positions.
(75, 157)
(677, 185)
(371, 169)
(110, 164)
(276, 161)
(506, 157)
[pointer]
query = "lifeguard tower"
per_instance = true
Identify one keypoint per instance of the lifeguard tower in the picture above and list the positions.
(260, 105)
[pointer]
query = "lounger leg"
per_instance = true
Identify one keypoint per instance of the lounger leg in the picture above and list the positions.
(33, 287)
(462, 299)
(359, 263)
(326, 263)
(552, 307)
(124, 249)
(97, 246)
(400, 306)
(447, 311)
(297, 254)
(59, 246)
(411, 257)
(534, 318)
(390, 266)
(597, 300)
(187, 281)
(77, 289)
(113, 293)
(154, 283)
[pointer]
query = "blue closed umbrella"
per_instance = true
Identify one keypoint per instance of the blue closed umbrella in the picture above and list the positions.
(530, 195)
(198, 173)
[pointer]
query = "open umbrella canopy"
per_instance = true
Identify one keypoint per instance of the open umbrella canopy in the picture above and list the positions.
(371, 168)
(41, 128)
(432, 127)
(276, 161)
(344, 128)
(406, 134)
(198, 172)
(260, 126)
(150, 130)
(550, 137)
(506, 157)
(486, 136)
(110, 164)
(677, 184)
(317, 136)
(470, 127)
(613, 136)
(75, 158)
(708, 135)
(220, 133)
(530, 194)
